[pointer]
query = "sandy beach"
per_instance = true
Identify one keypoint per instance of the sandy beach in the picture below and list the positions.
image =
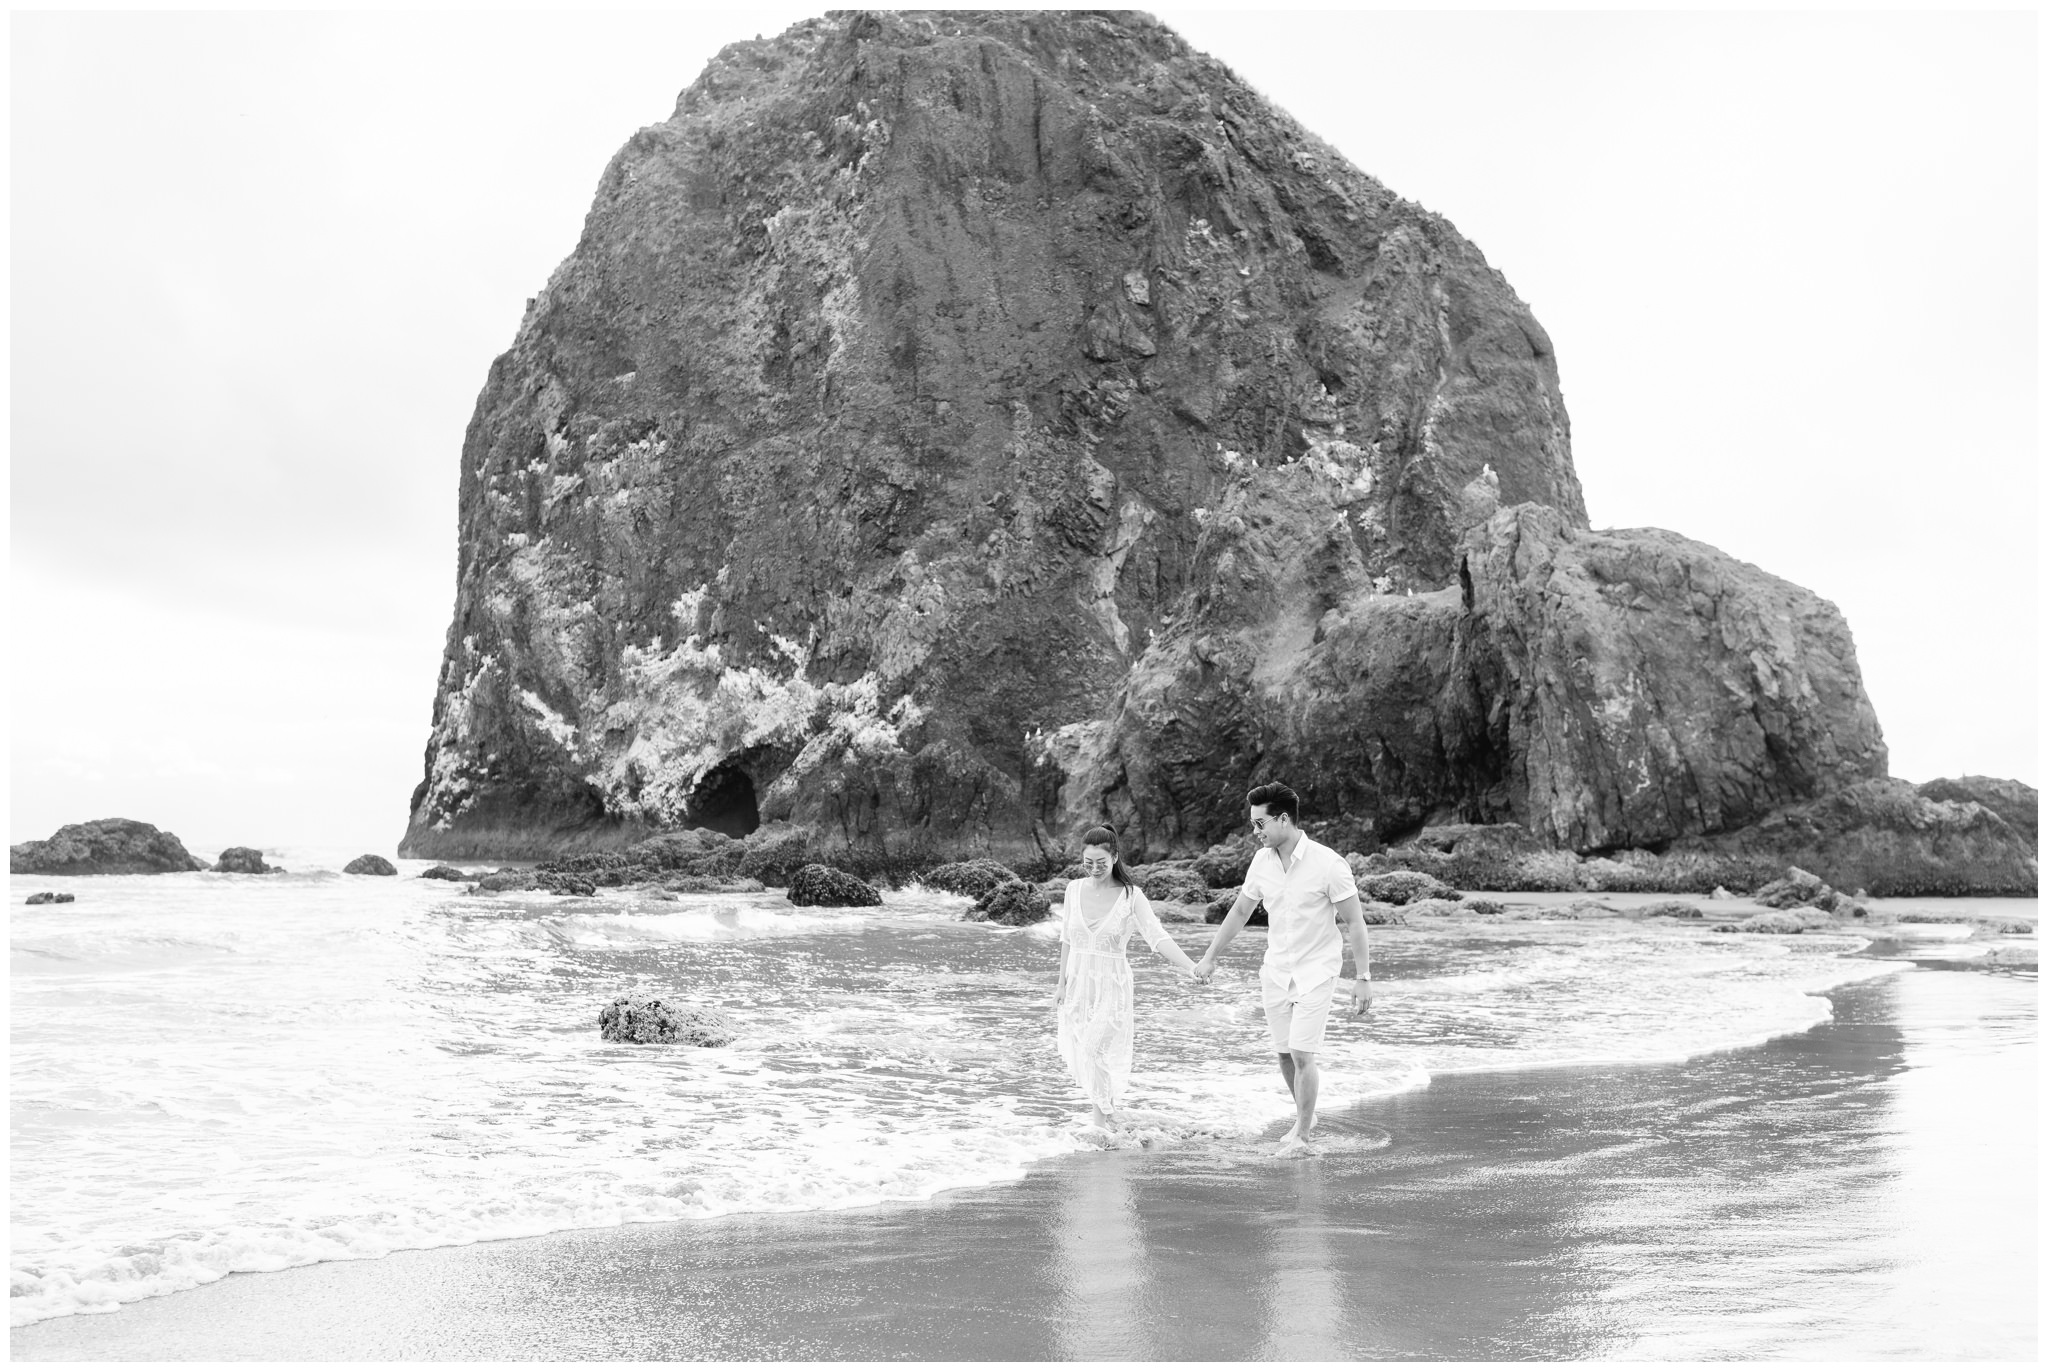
(1862, 1190)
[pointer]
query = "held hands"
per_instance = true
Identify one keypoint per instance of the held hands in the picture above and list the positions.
(1202, 971)
(1361, 998)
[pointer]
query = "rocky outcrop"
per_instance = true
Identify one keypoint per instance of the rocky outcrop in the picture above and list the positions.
(1886, 838)
(443, 872)
(966, 427)
(636, 1019)
(370, 865)
(909, 347)
(817, 884)
(247, 861)
(103, 847)
(50, 898)
(2015, 802)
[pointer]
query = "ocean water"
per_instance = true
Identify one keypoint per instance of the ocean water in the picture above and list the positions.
(216, 1073)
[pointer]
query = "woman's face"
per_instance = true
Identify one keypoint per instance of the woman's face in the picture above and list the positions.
(1095, 861)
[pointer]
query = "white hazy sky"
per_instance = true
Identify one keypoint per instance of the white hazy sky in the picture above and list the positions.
(262, 261)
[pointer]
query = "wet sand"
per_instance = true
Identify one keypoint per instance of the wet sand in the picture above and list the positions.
(1861, 1191)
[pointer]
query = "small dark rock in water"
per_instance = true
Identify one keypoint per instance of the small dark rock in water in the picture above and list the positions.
(50, 898)
(247, 861)
(103, 847)
(817, 884)
(1482, 906)
(443, 872)
(975, 878)
(1796, 887)
(635, 1019)
(1400, 888)
(370, 865)
(1014, 902)
(534, 879)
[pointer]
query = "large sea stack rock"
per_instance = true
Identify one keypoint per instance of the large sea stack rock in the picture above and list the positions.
(954, 428)
(103, 847)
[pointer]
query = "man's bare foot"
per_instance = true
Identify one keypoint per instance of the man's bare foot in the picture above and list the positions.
(1293, 1146)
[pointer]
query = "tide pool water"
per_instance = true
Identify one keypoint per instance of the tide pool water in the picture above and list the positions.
(217, 1073)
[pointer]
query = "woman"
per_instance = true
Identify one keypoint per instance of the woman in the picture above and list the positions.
(1092, 1003)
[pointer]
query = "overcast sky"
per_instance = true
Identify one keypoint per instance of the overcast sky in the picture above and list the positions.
(262, 261)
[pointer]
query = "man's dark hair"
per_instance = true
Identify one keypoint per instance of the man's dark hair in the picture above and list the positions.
(1278, 800)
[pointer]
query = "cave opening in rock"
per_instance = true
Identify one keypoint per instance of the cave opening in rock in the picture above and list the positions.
(724, 800)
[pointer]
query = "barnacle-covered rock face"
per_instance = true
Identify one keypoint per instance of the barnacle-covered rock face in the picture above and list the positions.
(954, 428)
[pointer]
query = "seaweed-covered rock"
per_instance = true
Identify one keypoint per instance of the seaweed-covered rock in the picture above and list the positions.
(370, 865)
(50, 898)
(775, 857)
(103, 847)
(974, 878)
(1219, 910)
(1227, 863)
(441, 871)
(634, 1019)
(817, 884)
(1177, 882)
(1435, 908)
(1400, 888)
(1014, 902)
(247, 861)
(534, 879)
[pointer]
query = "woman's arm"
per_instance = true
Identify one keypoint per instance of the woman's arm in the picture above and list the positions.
(1059, 988)
(1155, 935)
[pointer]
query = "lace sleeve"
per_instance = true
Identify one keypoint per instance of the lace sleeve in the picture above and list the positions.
(1149, 927)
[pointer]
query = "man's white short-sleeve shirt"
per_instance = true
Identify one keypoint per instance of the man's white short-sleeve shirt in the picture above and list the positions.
(1303, 947)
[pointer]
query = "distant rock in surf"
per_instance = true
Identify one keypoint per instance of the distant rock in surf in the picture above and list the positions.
(247, 861)
(1013, 902)
(974, 878)
(634, 1019)
(103, 847)
(370, 865)
(50, 898)
(443, 872)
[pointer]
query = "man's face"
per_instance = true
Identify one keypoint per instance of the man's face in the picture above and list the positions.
(1270, 830)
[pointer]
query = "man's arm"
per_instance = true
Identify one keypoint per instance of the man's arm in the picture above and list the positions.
(1353, 918)
(1240, 911)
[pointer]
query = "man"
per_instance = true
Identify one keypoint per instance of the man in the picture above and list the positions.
(1307, 889)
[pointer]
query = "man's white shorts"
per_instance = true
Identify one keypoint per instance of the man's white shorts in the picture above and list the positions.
(1295, 1015)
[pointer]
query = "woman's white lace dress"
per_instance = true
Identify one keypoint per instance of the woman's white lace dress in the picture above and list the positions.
(1095, 1015)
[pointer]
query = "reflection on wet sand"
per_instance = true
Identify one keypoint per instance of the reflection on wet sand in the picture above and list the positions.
(1101, 1268)
(1306, 1313)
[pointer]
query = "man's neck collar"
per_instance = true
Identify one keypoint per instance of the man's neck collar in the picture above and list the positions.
(1286, 852)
